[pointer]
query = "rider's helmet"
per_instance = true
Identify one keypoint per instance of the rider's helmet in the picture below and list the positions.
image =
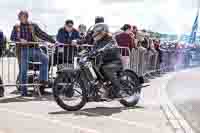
(99, 19)
(98, 31)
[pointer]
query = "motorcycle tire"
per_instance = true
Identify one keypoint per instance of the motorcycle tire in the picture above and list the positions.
(62, 77)
(137, 92)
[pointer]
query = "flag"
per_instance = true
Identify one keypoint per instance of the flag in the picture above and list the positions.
(193, 34)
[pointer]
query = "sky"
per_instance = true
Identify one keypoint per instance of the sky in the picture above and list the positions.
(165, 16)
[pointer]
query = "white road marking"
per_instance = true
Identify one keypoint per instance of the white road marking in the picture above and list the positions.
(61, 123)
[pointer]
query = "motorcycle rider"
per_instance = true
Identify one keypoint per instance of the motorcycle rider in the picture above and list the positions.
(88, 38)
(106, 47)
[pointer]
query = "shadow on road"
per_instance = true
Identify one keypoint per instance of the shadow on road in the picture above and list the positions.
(26, 99)
(98, 111)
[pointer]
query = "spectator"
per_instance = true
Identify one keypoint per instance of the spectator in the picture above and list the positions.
(140, 56)
(125, 39)
(145, 43)
(157, 47)
(2, 43)
(1, 88)
(135, 30)
(1, 52)
(153, 55)
(26, 32)
(82, 31)
(66, 35)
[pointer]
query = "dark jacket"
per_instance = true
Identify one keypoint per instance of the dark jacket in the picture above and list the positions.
(111, 54)
(29, 32)
(64, 37)
(125, 40)
(69, 52)
(1, 39)
(2, 43)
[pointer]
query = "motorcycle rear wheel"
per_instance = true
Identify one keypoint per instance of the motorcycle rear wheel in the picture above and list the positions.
(132, 84)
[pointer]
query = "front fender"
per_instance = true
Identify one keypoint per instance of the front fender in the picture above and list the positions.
(141, 79)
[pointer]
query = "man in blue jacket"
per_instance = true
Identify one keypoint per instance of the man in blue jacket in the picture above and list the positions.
(66, 35)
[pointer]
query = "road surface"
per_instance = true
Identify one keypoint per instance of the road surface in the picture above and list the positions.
(31, 115)
(184, 92)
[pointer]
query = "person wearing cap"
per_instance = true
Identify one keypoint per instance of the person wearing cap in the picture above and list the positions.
(24, 33)
(67, 35)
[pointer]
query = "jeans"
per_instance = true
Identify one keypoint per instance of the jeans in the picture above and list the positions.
(37, 55)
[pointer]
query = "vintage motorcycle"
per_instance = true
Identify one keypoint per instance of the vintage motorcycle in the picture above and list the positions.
(73, 88)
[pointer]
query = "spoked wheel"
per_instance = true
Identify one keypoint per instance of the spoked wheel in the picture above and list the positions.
(69, 92)
(130, 83)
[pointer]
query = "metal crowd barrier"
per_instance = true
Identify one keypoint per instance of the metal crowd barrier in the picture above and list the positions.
(140, 60)
(11, 66)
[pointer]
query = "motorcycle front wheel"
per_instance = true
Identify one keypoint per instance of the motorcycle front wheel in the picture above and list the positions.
(130, 82)
(69, 92)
